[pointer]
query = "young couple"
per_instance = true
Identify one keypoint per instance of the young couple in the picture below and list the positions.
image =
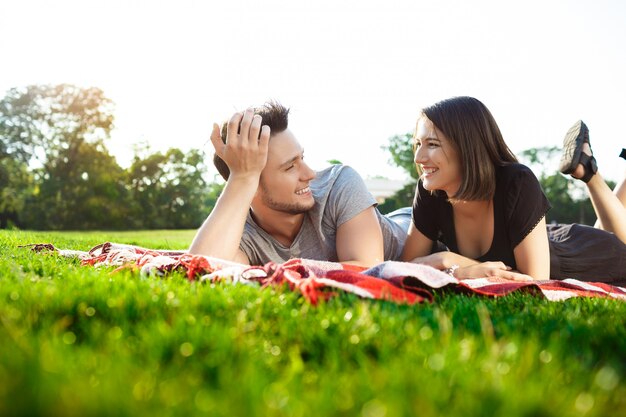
(472, 195)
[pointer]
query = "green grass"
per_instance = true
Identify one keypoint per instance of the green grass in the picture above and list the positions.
(80, 341)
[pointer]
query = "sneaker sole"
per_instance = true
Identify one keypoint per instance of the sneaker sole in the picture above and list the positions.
(572, 147)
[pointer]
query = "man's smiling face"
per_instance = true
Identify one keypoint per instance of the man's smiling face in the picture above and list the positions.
(284, 184)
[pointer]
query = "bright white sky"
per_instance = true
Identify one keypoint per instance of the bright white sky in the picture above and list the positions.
(353, 72)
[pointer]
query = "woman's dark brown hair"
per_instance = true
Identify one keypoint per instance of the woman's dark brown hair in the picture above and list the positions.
(273, 114)
(474, 133)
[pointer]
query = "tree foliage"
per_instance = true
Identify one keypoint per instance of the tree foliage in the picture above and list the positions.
(15, 187)
(402, 198)
(169, 190)
(569, 200)
(80, 188)
(401, 149)
(57, 173)
(42, 120)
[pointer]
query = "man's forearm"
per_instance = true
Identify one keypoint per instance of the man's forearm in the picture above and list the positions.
(220, 234)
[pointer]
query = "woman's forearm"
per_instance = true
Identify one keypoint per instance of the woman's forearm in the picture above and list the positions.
(445, 260)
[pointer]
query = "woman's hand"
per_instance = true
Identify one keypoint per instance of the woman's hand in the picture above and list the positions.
(490, 270)
(469, 268)
(445, 260)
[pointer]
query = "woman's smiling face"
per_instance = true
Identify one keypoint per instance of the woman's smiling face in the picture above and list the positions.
(437, 158)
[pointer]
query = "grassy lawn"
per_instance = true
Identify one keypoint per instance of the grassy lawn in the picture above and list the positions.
(80, 341)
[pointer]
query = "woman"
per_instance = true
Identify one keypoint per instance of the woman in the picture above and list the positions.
(490, 210)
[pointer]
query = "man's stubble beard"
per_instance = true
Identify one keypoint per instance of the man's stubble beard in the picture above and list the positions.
(289, 208)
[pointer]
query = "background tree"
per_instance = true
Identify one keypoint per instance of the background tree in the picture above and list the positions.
(80, 188)
(169, 189)
(16, 185)
(56, 172)
(401, 149)
(58, 132)
(568, 197)
(41, 120)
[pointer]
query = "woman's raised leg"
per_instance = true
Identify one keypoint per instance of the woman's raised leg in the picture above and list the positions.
(578, 161)
(620, 189)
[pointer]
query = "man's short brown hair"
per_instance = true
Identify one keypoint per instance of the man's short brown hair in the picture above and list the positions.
(477, 139)
(273, 114)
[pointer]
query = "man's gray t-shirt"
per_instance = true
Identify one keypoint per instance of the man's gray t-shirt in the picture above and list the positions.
(340, 194)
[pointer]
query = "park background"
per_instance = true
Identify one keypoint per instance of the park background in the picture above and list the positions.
(355, 75)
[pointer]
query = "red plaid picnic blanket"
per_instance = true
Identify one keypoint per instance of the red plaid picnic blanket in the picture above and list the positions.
(398, 282)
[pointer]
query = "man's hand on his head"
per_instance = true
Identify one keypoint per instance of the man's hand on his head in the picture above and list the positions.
(245, 153)
(245, 150)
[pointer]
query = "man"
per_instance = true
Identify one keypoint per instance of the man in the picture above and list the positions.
(274, 207)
